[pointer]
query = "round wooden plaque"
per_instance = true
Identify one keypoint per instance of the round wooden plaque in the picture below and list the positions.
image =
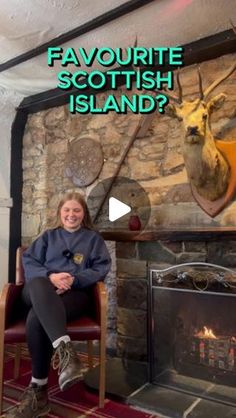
(84, 162)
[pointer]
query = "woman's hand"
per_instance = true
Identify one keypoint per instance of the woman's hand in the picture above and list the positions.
(62, 281)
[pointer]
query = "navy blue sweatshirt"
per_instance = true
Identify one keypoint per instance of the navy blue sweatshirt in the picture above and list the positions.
(82, 253)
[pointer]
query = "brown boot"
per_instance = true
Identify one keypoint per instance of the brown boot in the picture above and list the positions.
(34, 403)
(68, 364)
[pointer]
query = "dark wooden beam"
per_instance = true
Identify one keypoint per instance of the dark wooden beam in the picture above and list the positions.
(210, 47)
(95, 23)
(194, 52)
(16, 181)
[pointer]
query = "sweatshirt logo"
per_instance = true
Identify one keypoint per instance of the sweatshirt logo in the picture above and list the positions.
(78, 258)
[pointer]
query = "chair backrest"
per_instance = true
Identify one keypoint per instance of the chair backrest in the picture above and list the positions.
(20, 276)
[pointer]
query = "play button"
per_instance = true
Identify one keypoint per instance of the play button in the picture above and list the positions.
(119, 204)
(117, 209)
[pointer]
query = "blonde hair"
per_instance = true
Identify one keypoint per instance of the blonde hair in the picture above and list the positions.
(87, 222)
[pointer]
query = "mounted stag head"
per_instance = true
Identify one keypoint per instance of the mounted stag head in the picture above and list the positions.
(208, 170)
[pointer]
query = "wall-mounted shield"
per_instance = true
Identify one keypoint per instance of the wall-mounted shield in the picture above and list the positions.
(84, 161)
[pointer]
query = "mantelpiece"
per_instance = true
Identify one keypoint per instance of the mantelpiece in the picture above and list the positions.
(197, 234)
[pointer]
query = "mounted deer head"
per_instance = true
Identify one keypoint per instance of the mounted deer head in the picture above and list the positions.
(207, 168)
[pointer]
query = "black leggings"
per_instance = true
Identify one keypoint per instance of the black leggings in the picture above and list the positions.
(47, 318)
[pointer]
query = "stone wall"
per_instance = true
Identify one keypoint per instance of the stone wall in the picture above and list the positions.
(155, 161)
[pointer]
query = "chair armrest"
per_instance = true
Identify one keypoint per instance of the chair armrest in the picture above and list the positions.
(9, 295)
(101, 301)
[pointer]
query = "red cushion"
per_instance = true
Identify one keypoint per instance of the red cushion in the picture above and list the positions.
(84, 328)
(15, 333)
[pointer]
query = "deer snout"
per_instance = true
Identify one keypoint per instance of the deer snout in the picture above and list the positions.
(192, 130)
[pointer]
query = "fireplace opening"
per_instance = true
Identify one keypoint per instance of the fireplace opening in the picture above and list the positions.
(192, 330)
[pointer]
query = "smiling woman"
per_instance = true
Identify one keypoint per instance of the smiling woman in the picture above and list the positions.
(73, 209)
(72, 214)
(60, 267)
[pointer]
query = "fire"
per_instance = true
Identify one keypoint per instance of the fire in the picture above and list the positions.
(206, 333)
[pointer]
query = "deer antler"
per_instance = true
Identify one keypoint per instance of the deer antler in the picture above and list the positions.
(219, 80)
(200, 83)
(233, 27)
(176, 99)
(224, 76)
(179, 87)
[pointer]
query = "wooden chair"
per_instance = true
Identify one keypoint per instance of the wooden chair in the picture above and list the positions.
(88, 328)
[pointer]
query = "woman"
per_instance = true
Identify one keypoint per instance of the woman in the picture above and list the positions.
(60, 267)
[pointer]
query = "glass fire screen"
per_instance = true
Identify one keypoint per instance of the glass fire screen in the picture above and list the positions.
(192, 330)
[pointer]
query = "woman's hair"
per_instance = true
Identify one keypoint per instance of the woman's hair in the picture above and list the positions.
(87, 222)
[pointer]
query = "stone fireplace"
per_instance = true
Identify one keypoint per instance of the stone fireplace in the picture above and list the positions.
(191, 346)
(192, 332)
(133, 260)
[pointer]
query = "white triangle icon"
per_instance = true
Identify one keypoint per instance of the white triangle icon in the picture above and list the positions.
(117, 209)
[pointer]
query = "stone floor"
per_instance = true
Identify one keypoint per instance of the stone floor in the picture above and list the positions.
(128, 381)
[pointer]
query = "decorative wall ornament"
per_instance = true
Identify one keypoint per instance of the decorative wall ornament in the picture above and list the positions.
(84, 161)
(210, 164)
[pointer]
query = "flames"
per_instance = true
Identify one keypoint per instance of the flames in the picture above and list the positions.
(206, 333)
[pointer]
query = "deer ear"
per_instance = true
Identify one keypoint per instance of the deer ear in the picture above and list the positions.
(216, 102)
(171, 111)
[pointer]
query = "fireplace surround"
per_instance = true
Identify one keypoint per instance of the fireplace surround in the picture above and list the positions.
(192, 330)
